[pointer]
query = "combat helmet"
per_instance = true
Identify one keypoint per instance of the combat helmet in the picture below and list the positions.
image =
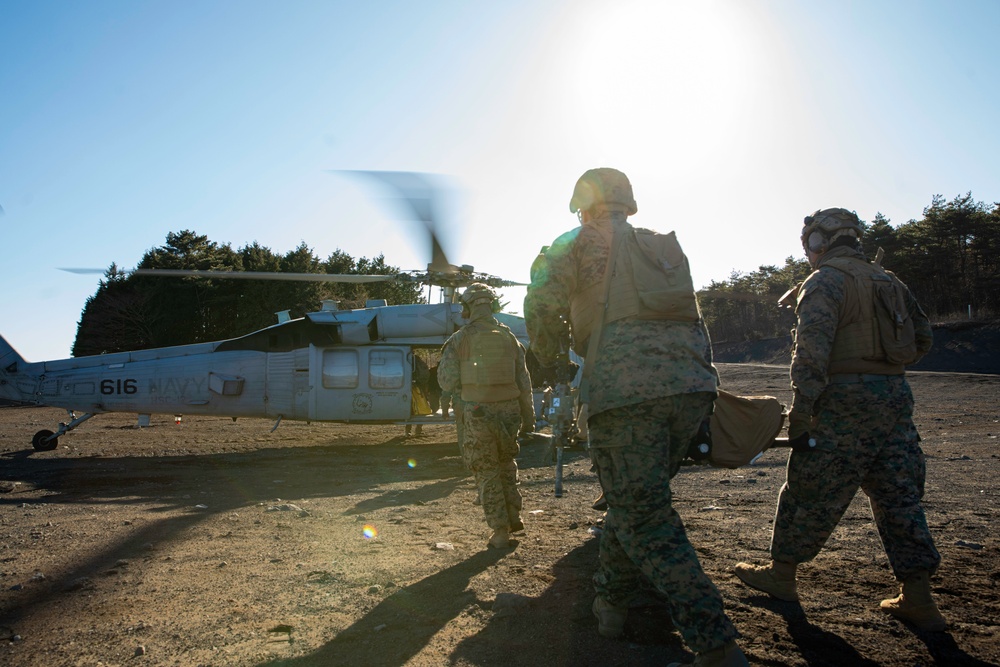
(478, 293)
(603, 185)
(823, 226)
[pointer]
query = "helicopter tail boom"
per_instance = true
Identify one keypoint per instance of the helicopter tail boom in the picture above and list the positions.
(10, 363)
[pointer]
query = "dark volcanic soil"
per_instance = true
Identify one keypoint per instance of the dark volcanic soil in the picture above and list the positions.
(220, 543)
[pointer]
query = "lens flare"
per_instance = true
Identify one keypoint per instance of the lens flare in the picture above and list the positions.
(412, 463)
(369, 531)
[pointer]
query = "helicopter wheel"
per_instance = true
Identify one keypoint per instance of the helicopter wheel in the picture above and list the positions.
(40, 443)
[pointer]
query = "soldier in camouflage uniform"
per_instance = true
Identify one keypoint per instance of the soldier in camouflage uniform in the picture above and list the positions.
(852, 398)
(650, 385)
(482, 365)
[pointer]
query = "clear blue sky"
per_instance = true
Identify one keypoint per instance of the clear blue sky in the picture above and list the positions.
(121, 121)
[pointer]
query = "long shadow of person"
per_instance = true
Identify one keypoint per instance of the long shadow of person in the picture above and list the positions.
(558, 627)
(944, 650)
(818, 647)
(403, 623)
(821, 648)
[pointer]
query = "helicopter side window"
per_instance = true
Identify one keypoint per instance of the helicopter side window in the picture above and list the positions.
(340, 369)
(385, 369)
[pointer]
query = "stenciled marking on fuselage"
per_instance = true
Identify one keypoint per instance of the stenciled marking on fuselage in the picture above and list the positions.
(175, 387)
(119, 386)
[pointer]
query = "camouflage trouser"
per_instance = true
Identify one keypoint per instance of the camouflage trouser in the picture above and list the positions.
(637, 450)
(489, 445)
(865, 439)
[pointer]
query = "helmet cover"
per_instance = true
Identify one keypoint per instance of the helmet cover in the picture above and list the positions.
(602, 186)
(827, 224)
(477, 293)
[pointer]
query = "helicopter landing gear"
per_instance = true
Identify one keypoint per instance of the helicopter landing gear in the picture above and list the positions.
(45, 440)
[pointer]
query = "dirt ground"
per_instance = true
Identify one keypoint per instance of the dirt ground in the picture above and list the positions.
(213, 542)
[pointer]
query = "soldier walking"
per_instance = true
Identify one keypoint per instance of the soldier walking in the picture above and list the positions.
(650, 384)
(857, 328)
(482, 365)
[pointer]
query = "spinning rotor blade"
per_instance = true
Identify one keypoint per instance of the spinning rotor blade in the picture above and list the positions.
(457, 277)
(737, 296)
(266, 275)
(419, 194)
(462, 277)
(421, 197)
(84, 272)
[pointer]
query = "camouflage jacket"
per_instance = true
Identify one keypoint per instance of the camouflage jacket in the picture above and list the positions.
(637, 360)
(449, 373)
(818, 313)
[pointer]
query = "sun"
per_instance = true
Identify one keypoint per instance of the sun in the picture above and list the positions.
(669, 73)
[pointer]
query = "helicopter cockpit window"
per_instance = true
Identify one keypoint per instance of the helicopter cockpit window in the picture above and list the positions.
(385, 369)
(340, 369)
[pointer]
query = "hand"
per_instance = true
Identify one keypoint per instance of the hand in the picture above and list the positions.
(799, 424)
(527, 426)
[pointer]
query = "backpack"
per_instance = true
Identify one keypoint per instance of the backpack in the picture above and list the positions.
(895, 326)
(885, 331)
(662, 276)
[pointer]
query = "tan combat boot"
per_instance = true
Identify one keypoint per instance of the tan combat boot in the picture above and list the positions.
(727, 655)
(915, 604)
(610, 618)
(777, 579)
(500, 539)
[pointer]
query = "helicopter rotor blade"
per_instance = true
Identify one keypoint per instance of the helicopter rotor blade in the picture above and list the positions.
(420, 196)
(457, 277)
(737, 296)
(268, 275)
(83, 271)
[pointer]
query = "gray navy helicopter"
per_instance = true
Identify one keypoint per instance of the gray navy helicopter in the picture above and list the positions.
(352, 366)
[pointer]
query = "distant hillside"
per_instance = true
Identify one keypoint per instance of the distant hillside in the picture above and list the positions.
(959, 347)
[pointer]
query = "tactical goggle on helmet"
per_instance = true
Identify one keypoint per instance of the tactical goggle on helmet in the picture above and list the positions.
(602, 186)
(819, 228)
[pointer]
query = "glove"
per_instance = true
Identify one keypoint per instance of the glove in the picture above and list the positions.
(799, 424)
(700, 447)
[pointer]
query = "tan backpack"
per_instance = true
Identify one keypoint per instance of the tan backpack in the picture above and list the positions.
(661, 276)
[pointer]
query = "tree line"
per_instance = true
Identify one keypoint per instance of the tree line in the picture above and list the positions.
(950, 259)
(136, 312)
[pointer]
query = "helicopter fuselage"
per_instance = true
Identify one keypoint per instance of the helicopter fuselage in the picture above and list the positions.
(331, 365)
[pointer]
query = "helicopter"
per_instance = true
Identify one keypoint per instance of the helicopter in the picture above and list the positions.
(352, 366)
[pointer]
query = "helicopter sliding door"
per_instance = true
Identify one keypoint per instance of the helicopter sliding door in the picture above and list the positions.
(368, 383)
